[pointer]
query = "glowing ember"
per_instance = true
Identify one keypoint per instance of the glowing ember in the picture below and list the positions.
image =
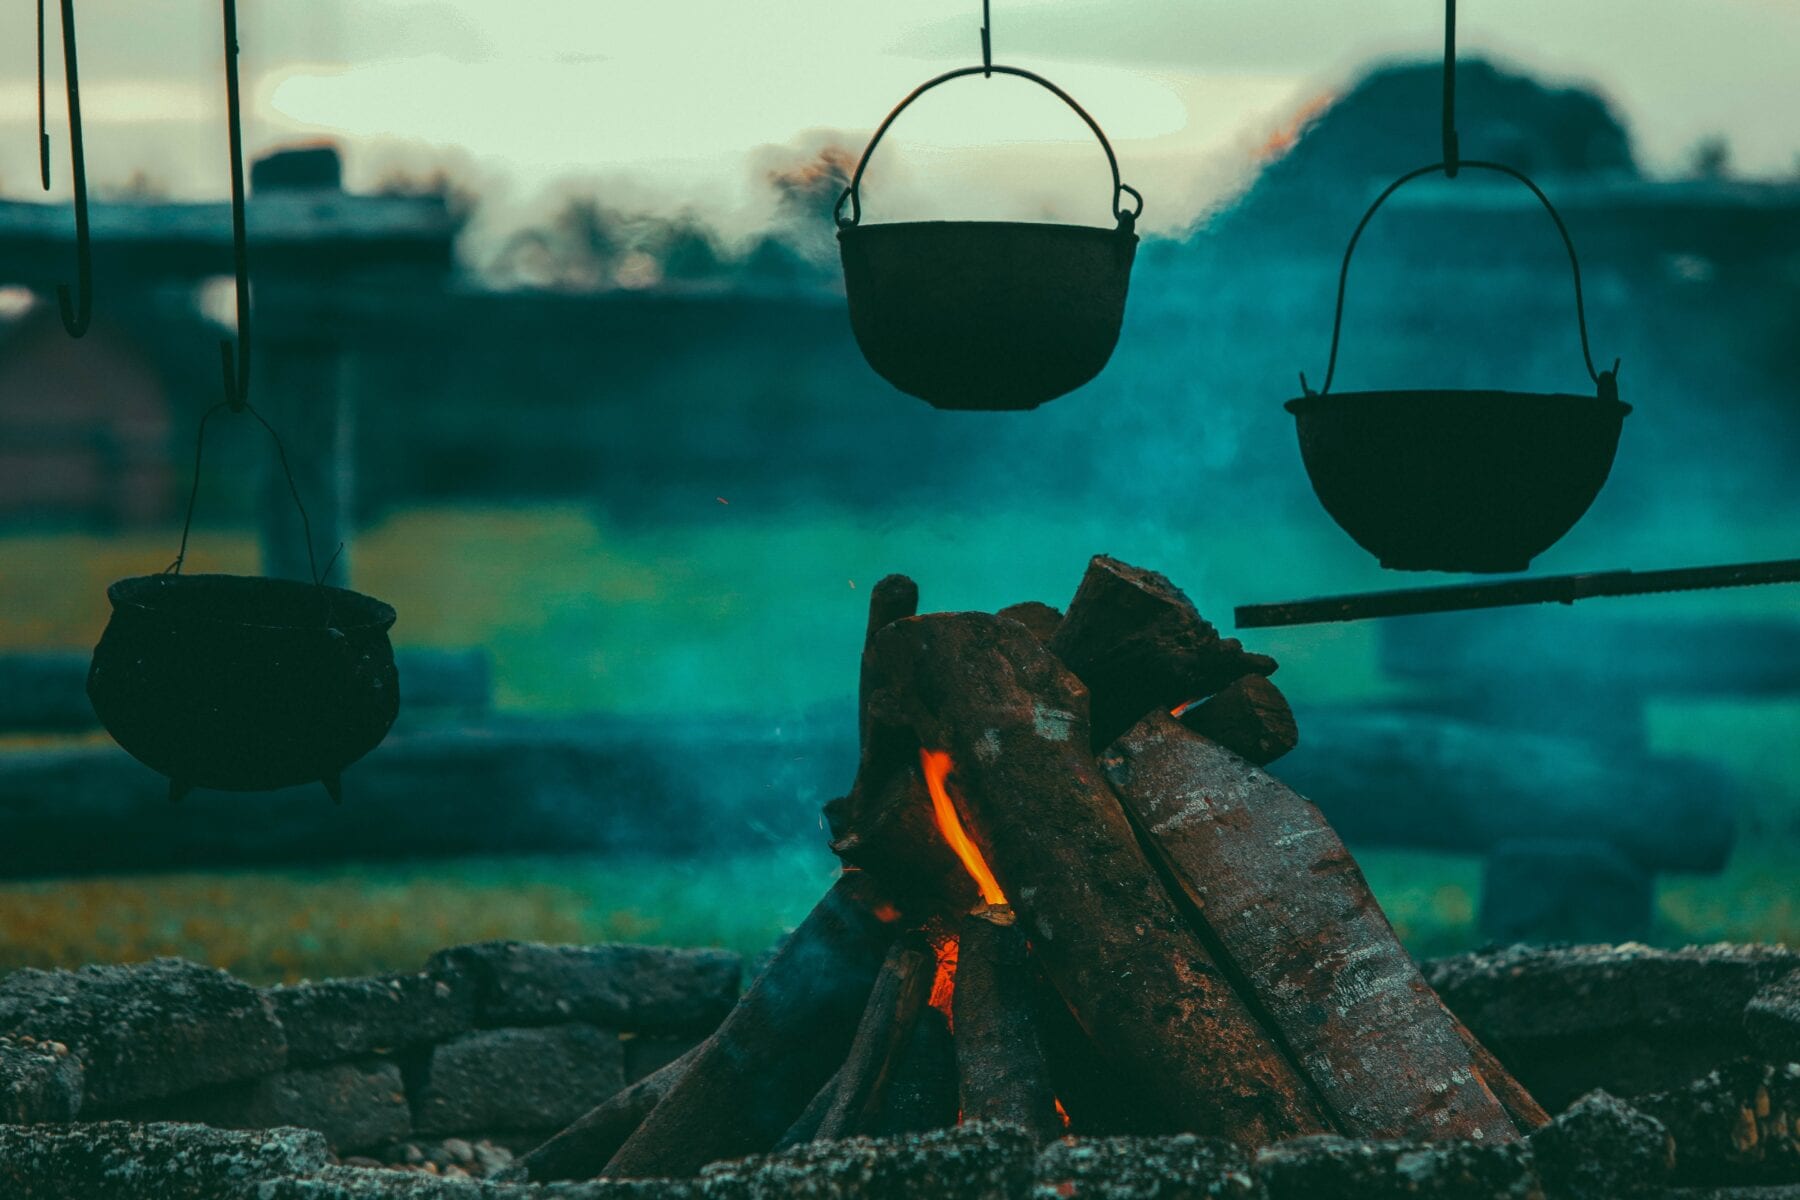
(937, 767)
(1183, 707)
(1062, 1114)
(943, 984)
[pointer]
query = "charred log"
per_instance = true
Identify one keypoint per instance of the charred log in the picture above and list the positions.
(1015, 723)
(581, 1150)
(894, 1003)
(1251, 718)
(922, 1093)
(1265, 875)
(1035, 615)
(1001, 1072)
(1138, 644)
(783, 1040)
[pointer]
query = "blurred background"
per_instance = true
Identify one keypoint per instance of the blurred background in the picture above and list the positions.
(549, 313)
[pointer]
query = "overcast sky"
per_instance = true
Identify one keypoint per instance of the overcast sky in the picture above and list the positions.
(666, 104)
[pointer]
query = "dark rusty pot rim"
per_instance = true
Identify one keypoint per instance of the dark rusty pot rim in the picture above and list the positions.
(1450, 398)
(151, 594)
(1059, 227)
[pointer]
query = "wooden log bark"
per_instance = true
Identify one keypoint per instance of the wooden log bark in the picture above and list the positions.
(581, 1150)
(1001, 1071)
(921, 1095)
(894, 1003)
(982, 689)
(1276, 891)
(1035, 615)
(893, 598)
(782, 1041)
(1527, 1114)
(1251, 718)
(1138, 644)
(1099, 1100)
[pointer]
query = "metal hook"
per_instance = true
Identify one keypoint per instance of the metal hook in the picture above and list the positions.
(987, 44)
(1452, 151)
(77, 313)
(236, 362)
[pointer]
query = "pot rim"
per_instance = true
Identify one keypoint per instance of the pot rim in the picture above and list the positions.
(1302, 405)
(135, 592)
(1036, 226)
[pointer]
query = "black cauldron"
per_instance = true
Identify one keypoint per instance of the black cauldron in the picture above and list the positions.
(1446, 480)
(998, 315)
(1457, 480)
(244, 684)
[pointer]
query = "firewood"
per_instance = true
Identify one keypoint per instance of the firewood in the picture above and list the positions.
(579, 1151)
(1251, 718)
(790, 1031)
(1014, 722)
(1000, 1067)
(922, 1093)
(887, 1020)
(1526, 1113)
(1035, 615)
(1138, 644)
(1097, 1098)
(893, 598)
(1269, 883)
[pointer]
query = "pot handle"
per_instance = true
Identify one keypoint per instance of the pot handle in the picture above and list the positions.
(1605, 381)
(187, 524)
(1125, 217)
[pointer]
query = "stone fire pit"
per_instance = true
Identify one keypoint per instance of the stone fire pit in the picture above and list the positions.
(169, 1079)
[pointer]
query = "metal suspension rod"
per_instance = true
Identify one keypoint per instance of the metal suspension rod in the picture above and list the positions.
(236, 364)
(1549, 589)
(1452, 152)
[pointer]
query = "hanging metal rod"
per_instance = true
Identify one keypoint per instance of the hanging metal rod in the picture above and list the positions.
(1452, 151)
(236, 363)
(1550, 589)
(77, 309)
(987, 43)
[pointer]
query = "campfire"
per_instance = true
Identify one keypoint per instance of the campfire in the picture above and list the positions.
(1072, 901)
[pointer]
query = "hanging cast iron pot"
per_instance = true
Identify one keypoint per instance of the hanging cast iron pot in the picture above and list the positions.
(238, 683)
(999, 315)
(1458, 480)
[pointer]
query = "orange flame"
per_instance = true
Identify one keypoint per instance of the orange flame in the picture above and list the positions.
(1062, 1114)
(943, 983)
(937, 767)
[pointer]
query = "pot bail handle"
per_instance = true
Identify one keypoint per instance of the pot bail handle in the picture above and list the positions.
(1606, 382)
(1126, 217)
(187, 523)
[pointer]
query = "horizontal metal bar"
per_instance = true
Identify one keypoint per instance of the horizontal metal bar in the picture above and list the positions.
(1550, 589)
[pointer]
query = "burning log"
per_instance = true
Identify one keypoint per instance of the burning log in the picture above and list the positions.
(581, 1150)
(894, 1003)
(983, 692)
(1138, 644)
(1251, 718)
(1266, 877)
(1001, 1072)
(751, 1078)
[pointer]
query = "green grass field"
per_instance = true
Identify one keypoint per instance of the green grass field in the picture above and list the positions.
(728, 614)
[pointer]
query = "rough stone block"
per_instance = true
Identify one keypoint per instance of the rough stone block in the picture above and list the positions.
(354, 1105)
(1625, 1018)
(355, 1183)
(339, 1019)
(1311, 1167)
(122, 1160)
(969, 1162)
(644, 989)
(1601, 1148)
(150, 1029)
(517, 1079)
(39, 1081)
(1772, 1019)
(1182, 1167)
(1737, 1125)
